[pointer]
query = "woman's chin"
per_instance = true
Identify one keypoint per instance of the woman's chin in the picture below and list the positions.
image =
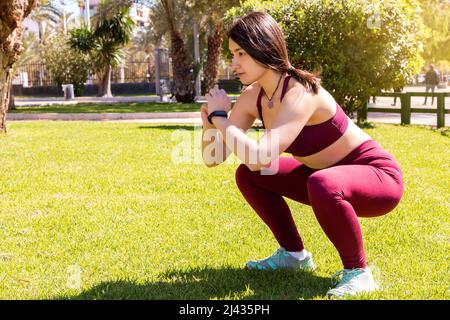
(245, 80)
(248, 81)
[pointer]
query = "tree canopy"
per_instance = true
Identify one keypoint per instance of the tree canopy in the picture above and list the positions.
(358, 47)
(436, 17)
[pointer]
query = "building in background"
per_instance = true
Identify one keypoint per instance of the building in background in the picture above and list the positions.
(138, 11)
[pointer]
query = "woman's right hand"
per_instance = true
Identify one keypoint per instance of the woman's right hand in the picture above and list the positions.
(204, 115)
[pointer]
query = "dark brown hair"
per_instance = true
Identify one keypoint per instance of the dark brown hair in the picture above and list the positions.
(262, 38)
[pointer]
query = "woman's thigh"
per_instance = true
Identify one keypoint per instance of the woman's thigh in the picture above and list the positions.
(289, 180)
(372, 191)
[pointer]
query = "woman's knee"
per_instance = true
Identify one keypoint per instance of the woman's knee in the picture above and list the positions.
(242, 174)
(321, 186)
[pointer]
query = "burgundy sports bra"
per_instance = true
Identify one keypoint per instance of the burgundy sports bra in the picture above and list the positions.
(316, 137)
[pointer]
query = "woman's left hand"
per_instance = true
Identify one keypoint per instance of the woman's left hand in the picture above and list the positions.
(218, 100)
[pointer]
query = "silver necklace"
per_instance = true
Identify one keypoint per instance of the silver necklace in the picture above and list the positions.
(270, 102)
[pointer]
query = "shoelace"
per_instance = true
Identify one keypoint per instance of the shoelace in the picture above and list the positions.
(277, 256)
(335, 277)
(347, 275)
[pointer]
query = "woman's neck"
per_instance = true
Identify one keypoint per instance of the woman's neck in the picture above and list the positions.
(269, 82)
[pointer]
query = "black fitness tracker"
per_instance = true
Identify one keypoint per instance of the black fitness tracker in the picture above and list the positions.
(217, 114)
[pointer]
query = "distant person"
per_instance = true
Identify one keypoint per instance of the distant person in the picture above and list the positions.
(431, 81)
(396, 90)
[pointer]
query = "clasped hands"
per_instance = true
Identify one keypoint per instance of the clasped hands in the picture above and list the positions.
(218, 100)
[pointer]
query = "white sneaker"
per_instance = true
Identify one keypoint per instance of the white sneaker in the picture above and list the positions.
(282, 259)
(353, 282)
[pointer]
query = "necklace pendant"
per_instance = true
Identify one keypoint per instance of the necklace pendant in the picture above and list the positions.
(270, 104)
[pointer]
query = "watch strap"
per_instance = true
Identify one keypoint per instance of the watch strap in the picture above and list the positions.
(217, 114)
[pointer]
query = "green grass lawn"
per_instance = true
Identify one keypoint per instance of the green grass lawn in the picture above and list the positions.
(126, 107)
(104, 203)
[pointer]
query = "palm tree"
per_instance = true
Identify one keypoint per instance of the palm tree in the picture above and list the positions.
(112, 29)
(182, 76)
(214, 29)
(210, 69)
(210, 25)
(49, 17)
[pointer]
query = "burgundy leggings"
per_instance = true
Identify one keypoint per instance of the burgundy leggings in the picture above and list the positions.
(368, 182)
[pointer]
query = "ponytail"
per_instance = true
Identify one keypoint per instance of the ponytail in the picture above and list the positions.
(309, 80)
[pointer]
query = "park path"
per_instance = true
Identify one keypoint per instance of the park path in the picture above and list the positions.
(194, 117)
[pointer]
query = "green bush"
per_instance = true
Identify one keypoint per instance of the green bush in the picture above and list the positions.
(358, 47)
(66, 65)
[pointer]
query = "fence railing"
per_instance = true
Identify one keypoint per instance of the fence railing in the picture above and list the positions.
(37, 74)
(33, 75)
(406, 109)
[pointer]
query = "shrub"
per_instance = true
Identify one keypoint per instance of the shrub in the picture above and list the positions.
(358, 47)
(66, 65)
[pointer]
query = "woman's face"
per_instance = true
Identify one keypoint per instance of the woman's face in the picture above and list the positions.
(244, 66)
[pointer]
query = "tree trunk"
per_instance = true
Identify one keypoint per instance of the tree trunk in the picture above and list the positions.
(213, 57)
(11, 104)
(182, 77)
(5, 83)
(12, 14)
(104, 88)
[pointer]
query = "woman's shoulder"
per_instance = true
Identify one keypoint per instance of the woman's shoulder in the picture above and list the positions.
(249, 95)
(251, 91)
(294, 86)
(247, 101)
(295, 90)
(326, 99)
(322, 102)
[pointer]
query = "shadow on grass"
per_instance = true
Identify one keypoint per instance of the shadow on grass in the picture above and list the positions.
(191, 127)
(445, 131)
(172, 127)
(366, 125)
(119, 107)
(371, 125)
(208, 283)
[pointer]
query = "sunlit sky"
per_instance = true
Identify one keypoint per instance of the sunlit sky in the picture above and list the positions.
(70, 6)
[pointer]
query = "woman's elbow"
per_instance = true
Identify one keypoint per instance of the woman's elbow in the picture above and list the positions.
(253, 167)
(258, 167)
(209, 165)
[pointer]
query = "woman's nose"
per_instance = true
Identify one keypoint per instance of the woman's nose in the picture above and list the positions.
(234, 64)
